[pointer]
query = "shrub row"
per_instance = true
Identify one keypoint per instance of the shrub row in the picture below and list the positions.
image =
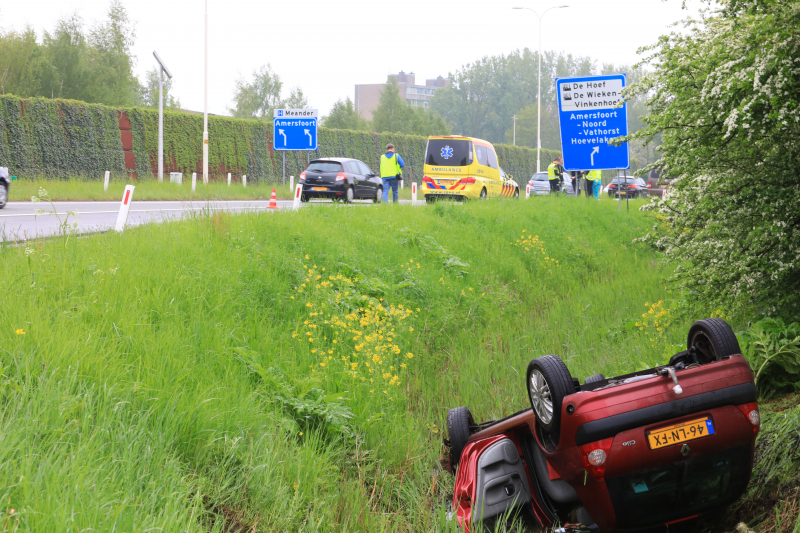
(66, 138)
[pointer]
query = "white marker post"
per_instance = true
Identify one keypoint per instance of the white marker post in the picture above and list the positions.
(413, 192)
(124, 208)
(291, 183)
(229, 179)
(194, 180)
(244, 180)
(297, 192)
(105, 182)
(527, 191)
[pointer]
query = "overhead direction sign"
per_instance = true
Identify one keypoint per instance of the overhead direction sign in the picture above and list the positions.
(590, 115)
(295, 129)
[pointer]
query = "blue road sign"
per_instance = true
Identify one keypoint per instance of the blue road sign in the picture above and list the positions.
(589, 116)
(294, 129)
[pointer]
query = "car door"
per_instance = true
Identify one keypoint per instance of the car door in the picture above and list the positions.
(369, 183)
(494, 174)
(354, 171)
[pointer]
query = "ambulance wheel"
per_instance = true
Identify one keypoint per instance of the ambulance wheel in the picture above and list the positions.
(483, 194)
(459, 424)
(594, 379)
(549, 382)
(516, 194)
(712, 339)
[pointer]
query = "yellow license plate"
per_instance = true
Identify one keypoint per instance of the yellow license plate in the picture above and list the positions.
(319, 188)
(683, 432)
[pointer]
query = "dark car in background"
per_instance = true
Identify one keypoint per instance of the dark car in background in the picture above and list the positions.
(340, 179)
(636, 187)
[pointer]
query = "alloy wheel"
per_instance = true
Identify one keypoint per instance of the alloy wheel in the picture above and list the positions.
(540, 397)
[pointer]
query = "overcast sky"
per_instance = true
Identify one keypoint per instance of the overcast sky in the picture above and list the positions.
(327, 46)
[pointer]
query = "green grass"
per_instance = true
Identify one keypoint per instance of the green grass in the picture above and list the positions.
(165, 380)
(85, 190)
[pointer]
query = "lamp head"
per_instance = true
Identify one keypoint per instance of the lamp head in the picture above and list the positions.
(163, 66)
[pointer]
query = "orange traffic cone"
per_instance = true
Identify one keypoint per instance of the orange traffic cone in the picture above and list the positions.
(273, 202)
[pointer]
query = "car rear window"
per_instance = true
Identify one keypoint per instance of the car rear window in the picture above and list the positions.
(616, 181)
(325, 166)
(680, 489)
(448, 152)
(540, 176)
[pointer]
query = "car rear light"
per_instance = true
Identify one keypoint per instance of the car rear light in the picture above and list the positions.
(631, 186)
(750, 411)
(426, 179)
(467, 180)
(302, 177)
(595, 456)
(341, 176)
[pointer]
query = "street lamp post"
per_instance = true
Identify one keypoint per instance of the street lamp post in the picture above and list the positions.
(205, 109)
(515, 129)
(162, 69)
(539, 94)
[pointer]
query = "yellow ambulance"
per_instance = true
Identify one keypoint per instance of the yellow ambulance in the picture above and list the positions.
(464, 168)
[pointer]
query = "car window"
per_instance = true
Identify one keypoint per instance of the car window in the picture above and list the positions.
(352, 167)
(492, 158)
(364, 168)
(540, 176)
(325, 166)
(480, 153)
(502, 174)
(450, 152)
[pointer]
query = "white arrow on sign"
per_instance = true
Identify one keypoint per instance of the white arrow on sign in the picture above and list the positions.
(595, 150)
(310, 140)
(280, 132)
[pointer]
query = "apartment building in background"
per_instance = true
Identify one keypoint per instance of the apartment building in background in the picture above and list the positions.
(368, 95)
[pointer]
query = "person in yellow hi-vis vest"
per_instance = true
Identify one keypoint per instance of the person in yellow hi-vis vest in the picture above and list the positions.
(595, 177)
(391, 172)
(555, 171)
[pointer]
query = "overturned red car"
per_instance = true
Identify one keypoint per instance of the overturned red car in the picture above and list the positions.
(637, 452)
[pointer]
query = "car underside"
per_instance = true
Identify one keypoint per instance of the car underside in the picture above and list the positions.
(636, 452)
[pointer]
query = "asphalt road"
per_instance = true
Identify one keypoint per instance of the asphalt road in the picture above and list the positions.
(20, 221)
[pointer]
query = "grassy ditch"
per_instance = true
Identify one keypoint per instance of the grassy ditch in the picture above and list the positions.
(92, 190)
(292, 371)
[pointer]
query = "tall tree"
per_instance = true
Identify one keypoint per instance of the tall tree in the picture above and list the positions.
(258, 97)
(724, 98)
(150, 91)
(20, 62)
(65, 73)
(111, 60)
(395, 115)
(343, 116)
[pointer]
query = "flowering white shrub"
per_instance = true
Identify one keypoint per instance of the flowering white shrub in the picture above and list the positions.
(725, 97)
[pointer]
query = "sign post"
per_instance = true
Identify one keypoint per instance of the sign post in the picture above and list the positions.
(124, 208)
(591, 112)
(294, 129)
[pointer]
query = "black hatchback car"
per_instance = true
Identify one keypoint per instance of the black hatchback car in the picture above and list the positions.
(340, 179)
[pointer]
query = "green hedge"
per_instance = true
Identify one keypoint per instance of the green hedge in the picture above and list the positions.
(66, 138)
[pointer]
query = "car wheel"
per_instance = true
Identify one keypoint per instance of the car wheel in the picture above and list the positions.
(430, 199)
(712, 339)
(459, 424)
(304, 197)
(483, 194)
(3, 196)
(516, 194)
(349, 195)
(378, 195)
(594, 379)
(549, 381)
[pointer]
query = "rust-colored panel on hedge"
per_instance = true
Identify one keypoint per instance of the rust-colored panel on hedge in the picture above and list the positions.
(124, 123)
(130, 160)
(127, 139)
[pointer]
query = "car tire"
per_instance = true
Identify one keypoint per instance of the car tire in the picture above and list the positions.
(3, 196)
(712, 339)
(516, 194)
(304, 197)
(349, 195)
(378, 195)
(429, 199)
(548, 382)
(483, 194)
(594, 379)
(459, 424)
